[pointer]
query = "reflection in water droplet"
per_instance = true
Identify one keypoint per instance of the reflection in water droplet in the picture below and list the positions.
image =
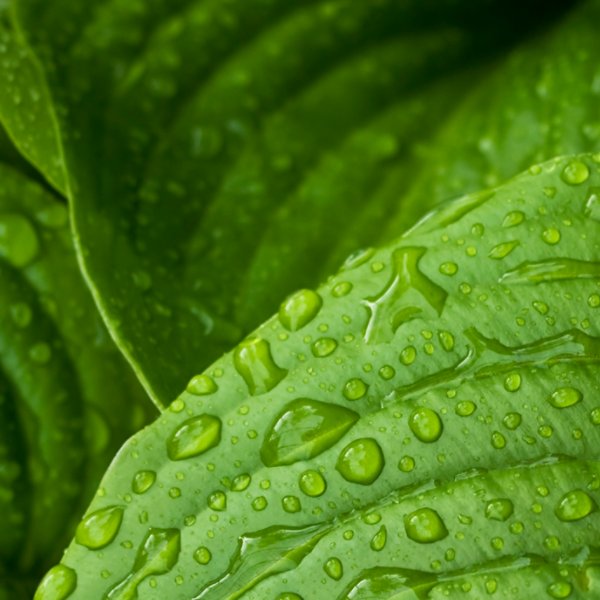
(201, 385)
(333, 567)
(19, 243)
(299, 309)
(361, 461)
(565, 397)
(99, 528)
(425, 424)
(575, 505)
(253, 361)
(425, 526)
(575, 172)
(157, 555)
(194, 436)
(312, 483)
(58, 583)
(143, 481)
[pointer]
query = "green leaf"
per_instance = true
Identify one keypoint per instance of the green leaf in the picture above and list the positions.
(67, 399)
(195, 136)
(473, 467)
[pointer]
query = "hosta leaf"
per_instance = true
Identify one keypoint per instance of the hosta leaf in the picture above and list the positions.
(67, 398)
(473, 466)
(187, 129)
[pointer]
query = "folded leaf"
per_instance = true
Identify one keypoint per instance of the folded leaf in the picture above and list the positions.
(473, 464)
(185, 130)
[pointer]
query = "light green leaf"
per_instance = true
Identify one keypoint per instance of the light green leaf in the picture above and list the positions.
(196, 136)
(473, 468)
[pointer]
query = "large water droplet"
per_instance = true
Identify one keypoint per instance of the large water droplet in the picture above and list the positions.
(361, 461)
(499, 509)
(19, 243)
(195, 436)
(299, 309)
(425, 526)
(559, 589)
(304, 429)
(253, 361)
(99, 528)
(312, 483)
(157, 555)
(575, 505)
(575, 173)
(425, 424)
(334, 568)
(58, 583)
(564, 397)
(201, 385)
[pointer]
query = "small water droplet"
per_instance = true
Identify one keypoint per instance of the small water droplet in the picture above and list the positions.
(512, 383)
(99, 528)
(575, 173)
(498, 440)
(448, 268)
(291, 504)
(312, 483)
(551, 236)
(341, 289)
(406, 464)
(333, 567)
(503, 250)
(355, 389)
(447, 340)
(499, 509)
(19, 243)
(299, 309)
(58, 583)
(143, 481)
(425, 424)
(241, 482)
(425, 526)
(217, 501)
(559, 589)
(259, 503)
(565, 397)
(361, 461)
(513, 218)
(323, 347)
(253, 361)
(387, 372)
(201, 385)
(575, 505)
(408, 355)
(379, 540)
(594, 300)
(512, 420)
(465, 408)
(194, 436)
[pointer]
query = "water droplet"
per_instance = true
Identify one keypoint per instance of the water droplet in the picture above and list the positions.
(512, 382)
(304, 429)
(299, 309)
(361, 461)
(217, 501)
(194, 436)
(595, 416)
(333, 567)
(594, 300)
(58, 583)
(515, 217)
(406, 464)
(289, 596)
(498, 440)
(465, 408)
(99, 528)
(503, 250)
(448, 268)
(21, 314)
(425, 526)
(323, 347)
(259, 503)
(499, 509)
(312, 483)
(408, 355)
(142, 280)
(355, 389)
(379, 540)
(387, 372)
(253, 361)
(201, 385)
(447, 340)
(241, 482)
(565, 397)
(40, 353)
(425, 424)
(157, 555)
(174, 492)
(143, 481)
(541, 307)
(291, 504)
(551, 236)
(575, 505)
(19, 243)
(341, 289)
(575, 172)
(512, 420)
(559, 589)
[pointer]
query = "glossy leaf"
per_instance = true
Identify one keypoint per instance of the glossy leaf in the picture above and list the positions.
(194, 137)
(474, 465)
